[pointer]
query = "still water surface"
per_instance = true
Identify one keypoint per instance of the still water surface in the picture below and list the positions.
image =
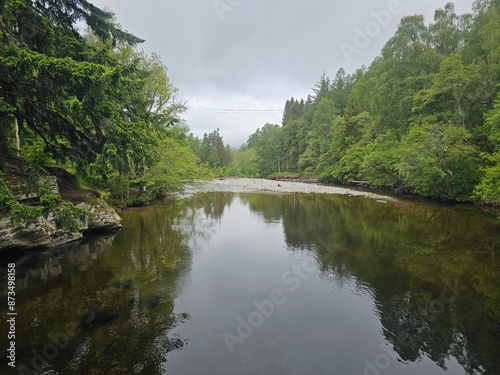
(254, 283)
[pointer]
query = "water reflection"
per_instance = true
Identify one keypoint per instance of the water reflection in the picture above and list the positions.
(107, 305)
(157, 297)
(41, 266)
(433, 270)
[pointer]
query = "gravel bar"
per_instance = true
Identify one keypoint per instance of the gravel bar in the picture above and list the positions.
(255, 184)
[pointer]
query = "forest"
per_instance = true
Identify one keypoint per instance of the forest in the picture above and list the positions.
(88, 101)
(423, 118)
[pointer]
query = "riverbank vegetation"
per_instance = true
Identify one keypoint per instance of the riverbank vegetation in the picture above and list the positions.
(90, 102)
(423, 118)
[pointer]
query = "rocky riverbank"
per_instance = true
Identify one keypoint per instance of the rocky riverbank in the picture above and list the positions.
(44, 231)
(251, 184)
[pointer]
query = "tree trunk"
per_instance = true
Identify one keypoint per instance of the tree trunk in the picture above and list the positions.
(18, 141)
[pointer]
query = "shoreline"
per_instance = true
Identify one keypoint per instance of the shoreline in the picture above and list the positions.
(258, 184)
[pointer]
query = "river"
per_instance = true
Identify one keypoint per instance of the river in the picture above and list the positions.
(265, 283)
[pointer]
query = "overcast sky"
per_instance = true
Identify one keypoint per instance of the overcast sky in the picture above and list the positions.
(255, 54)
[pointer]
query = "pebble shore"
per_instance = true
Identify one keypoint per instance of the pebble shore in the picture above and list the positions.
(254, 184)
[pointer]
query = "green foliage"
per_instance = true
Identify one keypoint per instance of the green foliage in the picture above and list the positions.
(488, 190)
(34, 151)
(416, 120)
(438, 161)
(492, 125)
(245, 162)
(6, 198)
(67, 216)
(10, 207)
(380, 157)
(284, 175)
(268, 143)
(454, 91)
(317, 138)
(175, 165)
(89, 102)
(139, 201)
(48, 199)
(211, 150)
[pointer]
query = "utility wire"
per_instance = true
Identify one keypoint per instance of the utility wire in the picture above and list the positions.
(230, 110)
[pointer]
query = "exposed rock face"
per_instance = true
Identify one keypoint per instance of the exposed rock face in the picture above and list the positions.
(21, 193)
(44, 233)
(102, 216)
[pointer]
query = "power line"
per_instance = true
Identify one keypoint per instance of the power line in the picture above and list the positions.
(232, 110)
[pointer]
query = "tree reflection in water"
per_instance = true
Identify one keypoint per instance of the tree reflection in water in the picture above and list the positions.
(432, 269)
(116, 293)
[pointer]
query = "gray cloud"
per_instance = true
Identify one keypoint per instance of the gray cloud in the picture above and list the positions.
(266, 49)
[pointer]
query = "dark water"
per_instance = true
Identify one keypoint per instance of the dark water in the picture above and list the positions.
(224, 283)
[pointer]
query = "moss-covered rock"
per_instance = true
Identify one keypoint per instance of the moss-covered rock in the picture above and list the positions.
(52, 221)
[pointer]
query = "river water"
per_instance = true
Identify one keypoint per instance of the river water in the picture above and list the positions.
(256, 283)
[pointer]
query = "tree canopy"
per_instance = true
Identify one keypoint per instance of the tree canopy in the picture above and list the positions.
(88, 100)
(424, 117)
